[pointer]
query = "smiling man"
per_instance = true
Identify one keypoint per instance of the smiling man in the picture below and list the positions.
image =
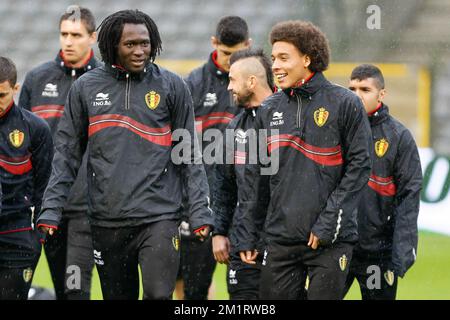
(321, 135)
(126, 111)
(44, 92)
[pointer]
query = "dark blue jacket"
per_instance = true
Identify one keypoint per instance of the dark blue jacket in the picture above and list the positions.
(26, 152)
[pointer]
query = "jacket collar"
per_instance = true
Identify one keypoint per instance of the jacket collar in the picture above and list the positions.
(8, 110)
(90, 64)
(379, 116)
(214, 67)
(309, 88)
(120, 73)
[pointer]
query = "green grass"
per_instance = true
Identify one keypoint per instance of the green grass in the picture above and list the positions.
(427, 279)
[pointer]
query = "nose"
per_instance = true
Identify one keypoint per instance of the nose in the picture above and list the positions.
(138, 50)
(68, 41)
(275, 65)
(359, 93)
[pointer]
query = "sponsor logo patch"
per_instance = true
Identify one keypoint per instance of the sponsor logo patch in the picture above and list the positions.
(50, 90)
(101, 99)
(210, 100)
(277, 119)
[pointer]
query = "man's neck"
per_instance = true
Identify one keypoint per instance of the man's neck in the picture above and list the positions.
(81, 63)
(260, 94)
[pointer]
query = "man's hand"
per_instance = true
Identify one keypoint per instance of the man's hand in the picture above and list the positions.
(47, 230)
(202, 233)
(313, 241)
(249, 256)
(221, 248)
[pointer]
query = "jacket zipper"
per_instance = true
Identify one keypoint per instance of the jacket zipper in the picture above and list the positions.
(127, 93)
(299, 111)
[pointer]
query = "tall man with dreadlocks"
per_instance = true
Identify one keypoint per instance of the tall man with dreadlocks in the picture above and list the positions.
(127, 112)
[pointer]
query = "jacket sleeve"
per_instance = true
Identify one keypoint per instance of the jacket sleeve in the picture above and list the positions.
(355, 141)
(25, 93)
(41, 158)
(408, 178)
(250, 224)
(70, 145)
(224, 198)
(193, 173)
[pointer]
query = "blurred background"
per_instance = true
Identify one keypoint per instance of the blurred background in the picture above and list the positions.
(408, 39)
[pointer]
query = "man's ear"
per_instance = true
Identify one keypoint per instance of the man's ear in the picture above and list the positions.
(381, 95)
(214, 42)
(16, 88)
(93, 38)
(307, 61)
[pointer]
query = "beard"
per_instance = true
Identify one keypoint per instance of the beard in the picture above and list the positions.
(242, 100)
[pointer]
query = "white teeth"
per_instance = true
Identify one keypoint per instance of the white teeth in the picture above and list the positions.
(281, 76)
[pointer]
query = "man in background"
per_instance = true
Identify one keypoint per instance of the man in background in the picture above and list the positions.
(44, 92)
(389, 208)
(213, 110)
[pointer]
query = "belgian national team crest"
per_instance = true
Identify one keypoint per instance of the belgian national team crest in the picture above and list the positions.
(381, 147)
(16, 138)
(343, 261)
(176, 242)
(389, 277)
(27, 274)
(321, 116)
(152, 99)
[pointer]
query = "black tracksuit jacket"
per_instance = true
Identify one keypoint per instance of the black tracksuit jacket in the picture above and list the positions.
(128, 120)
(26, 152)
(322, 141)
(44, 92)
(233, 187)
(389, 208)
(213, 105)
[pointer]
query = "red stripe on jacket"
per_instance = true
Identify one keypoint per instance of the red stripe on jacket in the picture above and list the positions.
(48, 111)
(161, 136)
(383, 186)
(211, 119)
(16, 166)
(324, 156)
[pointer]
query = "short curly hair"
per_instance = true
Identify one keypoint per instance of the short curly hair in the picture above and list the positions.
(307, 38)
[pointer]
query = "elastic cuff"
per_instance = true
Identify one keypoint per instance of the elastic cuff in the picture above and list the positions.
(47, 225)
(200, 229)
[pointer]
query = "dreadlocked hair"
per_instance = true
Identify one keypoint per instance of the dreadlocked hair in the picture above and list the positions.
(111, 31)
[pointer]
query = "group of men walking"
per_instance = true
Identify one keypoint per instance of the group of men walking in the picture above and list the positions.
(321, 184)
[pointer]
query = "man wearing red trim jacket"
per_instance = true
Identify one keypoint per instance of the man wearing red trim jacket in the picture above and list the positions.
(389, 208)
(44, 92)
(319, 134)
(251, 81)
(26, 152)
(213, 110)
(127, 112)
